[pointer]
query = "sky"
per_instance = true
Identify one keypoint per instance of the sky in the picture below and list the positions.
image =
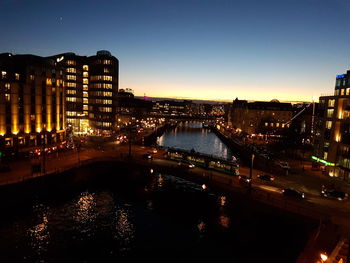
(290, 50)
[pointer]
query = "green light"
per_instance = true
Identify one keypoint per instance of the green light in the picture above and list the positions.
(322, 161)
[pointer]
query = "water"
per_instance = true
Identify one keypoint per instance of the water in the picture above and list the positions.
(160, 218)
(191, 135)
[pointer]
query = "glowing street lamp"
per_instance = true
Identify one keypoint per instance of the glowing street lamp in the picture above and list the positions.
(324, 257)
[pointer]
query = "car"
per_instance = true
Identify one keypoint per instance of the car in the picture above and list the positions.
(293, 193)
(186, 164)
(266, 177)
(335, 194)
(244, 179)
(147, 156)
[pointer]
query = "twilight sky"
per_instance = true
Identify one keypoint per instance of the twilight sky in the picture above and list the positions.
(206, 49)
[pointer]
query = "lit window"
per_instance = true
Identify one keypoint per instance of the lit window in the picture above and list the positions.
(16, 76)
(85, 101)
(331, 103)
(3, 74)
(85, 107)
(7, 87)
(85, 87)
(85, 74)
(31, 77)
(106, 70)
(328, 124)
(71, 77)
(85, 67)
(107, 62)
(266, 124)
(85, 94)
(71, 99)
(7, 97)
(71, 70)
(71, 92)
(70, 62)
(85, 81)
(71, 84)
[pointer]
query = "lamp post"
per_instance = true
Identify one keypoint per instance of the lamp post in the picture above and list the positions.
(251, 172)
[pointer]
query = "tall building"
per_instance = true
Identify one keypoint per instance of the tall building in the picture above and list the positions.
(32, 101)
(332, 130)
(91, 91)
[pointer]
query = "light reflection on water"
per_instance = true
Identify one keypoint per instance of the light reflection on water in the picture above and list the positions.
(173, 215)
(39, 234)
(125, 232)
(190, 136)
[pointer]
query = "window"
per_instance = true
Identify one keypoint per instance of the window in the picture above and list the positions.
(85, 87)
(85, 107)
(71, 99)
(71, 92)
(85, 101)
(85, 74)
(3, 74)
(7, 97)
(85, 67)
(342, 92)
(328, 125)
(71, 84)
(16, 76)
(71, 77)
(331, 103)
(85, 94)
(85, 81)
(31, 77)
(106, 70)
(107, 62)
(7, 87)
(330, 113)
(71, 113)
(71, 70)
(71, 62)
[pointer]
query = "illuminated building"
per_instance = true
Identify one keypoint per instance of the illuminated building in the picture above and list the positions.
(91, 85)
(261, 117)
(32, 102)
(332, 129)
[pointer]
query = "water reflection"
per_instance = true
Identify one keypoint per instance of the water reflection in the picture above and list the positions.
(85, 213)
(39, 234)
(190, 136)
(125, 232)
(224, 221)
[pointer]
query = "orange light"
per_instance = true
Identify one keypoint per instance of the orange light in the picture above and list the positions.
(324, 257)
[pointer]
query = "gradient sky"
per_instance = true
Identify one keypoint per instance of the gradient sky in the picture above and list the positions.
(206, 49)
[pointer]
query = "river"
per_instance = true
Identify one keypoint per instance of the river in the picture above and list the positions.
(112, 217)
(191, 135)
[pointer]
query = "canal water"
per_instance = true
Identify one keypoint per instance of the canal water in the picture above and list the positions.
(158, 218)
(191, 135)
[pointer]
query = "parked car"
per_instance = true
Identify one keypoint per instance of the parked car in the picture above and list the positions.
(335, 194)
(293, 193)
(266, 177)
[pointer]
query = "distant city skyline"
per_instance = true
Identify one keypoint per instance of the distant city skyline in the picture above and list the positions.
(213, 50)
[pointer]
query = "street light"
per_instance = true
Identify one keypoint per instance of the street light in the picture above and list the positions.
(324, 257)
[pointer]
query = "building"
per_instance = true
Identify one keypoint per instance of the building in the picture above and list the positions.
(32, 102)
(91, 85)
(332, 130)
(261, 117)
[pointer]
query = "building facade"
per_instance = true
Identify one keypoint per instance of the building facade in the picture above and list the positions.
(261, 117)
(91, 85)
(332, 130)
(32, 102)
